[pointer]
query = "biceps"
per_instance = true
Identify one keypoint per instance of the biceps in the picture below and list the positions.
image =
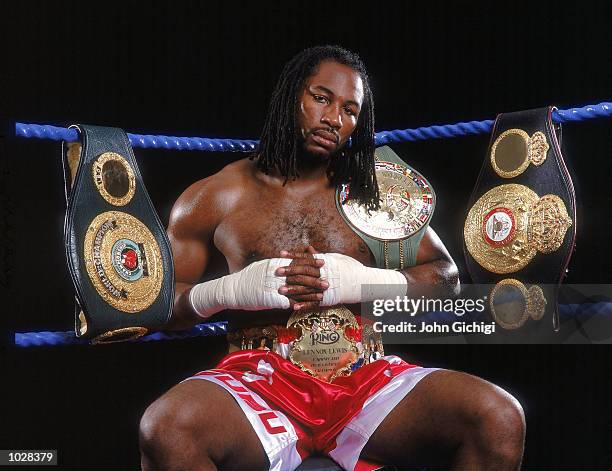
(190, 258)
(432, 248)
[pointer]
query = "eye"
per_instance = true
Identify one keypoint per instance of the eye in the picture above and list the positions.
(349, 111)
(320, 98)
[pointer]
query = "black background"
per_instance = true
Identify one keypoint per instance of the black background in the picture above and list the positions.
(207, 70)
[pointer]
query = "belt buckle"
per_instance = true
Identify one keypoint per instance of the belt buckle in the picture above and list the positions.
(327, 345)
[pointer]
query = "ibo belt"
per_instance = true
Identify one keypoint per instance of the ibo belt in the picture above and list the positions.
(117, 251)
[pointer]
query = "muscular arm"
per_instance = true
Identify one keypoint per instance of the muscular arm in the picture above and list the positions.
(193, 221)
(434, 269)
(195, 217)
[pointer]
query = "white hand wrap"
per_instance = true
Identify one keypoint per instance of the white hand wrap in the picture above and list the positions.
(253, 288)
(350, 281)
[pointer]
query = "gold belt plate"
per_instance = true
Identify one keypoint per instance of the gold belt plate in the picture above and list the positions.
(406, 204)
(123, 261)
(510, 223)
(512, 303)
(114, 178)
(323, 348)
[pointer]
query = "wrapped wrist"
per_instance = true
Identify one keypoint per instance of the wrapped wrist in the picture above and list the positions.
(352, 282)
(253, 288)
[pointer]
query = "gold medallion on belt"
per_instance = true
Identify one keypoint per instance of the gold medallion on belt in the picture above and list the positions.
(323, 348)
(406, 204)
(512, 303)
(325, 343)
(514, 150)
(510, 223)
(123, 261)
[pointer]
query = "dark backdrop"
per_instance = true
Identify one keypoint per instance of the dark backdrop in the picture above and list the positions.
(207, 69)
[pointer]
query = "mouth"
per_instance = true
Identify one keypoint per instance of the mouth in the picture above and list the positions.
(325, 139)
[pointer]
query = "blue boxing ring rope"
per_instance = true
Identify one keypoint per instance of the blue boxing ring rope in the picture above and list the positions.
(146, 141)
(39, 339)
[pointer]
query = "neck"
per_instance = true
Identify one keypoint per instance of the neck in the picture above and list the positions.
(312, 167)
(312, 170)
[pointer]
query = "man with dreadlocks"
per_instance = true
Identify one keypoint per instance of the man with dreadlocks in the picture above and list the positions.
(271, 223)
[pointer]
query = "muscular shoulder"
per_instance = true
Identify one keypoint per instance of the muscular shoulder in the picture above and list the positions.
(205, 203)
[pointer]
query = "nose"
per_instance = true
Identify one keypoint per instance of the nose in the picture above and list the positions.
(332, 117)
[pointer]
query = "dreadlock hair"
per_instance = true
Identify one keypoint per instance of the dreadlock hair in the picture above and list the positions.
(279, 143)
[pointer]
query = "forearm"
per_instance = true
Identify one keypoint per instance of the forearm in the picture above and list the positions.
(439, 277)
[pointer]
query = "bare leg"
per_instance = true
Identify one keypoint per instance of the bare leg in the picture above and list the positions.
(197, 425)
(453, 420)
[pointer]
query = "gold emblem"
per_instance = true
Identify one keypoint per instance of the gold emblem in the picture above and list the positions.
(512, 303)
(549, 223)
(514, 150)
(536, 302)
(119, 335)
(323, 348)
(496, 228)
(508, 303)
(114, 178)
(509, 224)
(538, 147)
(406, 204)
(123, 261)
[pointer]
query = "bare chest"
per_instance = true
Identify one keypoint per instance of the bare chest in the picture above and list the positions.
(263, 226)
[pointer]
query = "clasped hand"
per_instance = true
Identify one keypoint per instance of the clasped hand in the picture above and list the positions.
(304, 287)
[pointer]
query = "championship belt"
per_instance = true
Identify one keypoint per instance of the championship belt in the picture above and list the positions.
(330, 342)
(117, 251)
(407, 202)
(520, 229)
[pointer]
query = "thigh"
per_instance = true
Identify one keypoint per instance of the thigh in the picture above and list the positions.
(427, 426)
(200, 420)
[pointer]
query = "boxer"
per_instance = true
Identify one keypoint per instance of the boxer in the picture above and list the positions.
(270, 220)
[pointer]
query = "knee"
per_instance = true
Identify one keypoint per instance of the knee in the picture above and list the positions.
(501, 426)
(165, 428)
(153, 422)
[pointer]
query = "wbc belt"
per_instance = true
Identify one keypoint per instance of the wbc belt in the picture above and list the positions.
(520, 229)
(117, 251)
(407, 202)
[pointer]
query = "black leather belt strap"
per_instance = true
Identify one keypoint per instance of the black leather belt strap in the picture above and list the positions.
(521, 224)
(117, 251)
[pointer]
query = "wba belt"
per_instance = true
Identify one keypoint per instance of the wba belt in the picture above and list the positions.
(520, 229)
(117, 251)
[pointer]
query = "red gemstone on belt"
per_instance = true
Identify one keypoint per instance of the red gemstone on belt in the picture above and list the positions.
(129, 259)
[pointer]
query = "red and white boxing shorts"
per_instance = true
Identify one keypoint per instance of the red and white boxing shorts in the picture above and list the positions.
(295, 414)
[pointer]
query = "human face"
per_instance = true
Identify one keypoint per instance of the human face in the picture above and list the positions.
(329, 108)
